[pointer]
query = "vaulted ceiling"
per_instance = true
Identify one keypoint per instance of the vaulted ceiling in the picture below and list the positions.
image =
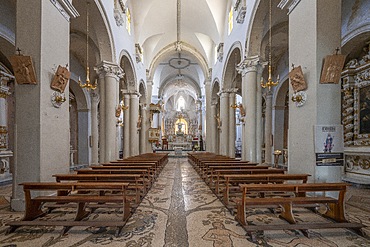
(196, 26)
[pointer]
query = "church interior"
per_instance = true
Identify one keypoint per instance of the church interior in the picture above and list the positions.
(200, 123)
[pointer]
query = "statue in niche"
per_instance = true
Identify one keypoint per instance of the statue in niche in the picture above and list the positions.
(179, 129)
(60, 79)
(297, 80)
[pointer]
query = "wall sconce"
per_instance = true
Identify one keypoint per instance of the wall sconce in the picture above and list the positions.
(57, 99)
(241, 108)
(299, 98)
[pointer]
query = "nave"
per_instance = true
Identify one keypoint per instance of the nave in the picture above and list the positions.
(181, 210)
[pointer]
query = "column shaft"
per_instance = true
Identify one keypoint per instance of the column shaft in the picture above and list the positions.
(94, 129)
(232, 126)
(126, 127)
(268, 129)
(224, 112)
(134, 116)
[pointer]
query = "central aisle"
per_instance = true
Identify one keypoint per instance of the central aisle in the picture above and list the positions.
(180, 210)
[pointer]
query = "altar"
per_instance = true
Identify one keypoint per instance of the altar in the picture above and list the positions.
(183, 145)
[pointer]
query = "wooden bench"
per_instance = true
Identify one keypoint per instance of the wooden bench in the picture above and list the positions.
(217, 176)
(204, 167)
(145, 172)
(150, 168)
(232, 181)
(65, 195)
(335, 206)
(137, 183)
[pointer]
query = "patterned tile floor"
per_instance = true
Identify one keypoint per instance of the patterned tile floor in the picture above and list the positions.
(180, 211)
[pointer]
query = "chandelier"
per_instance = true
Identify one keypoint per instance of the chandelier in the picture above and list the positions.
(87, 84)
(269, 82)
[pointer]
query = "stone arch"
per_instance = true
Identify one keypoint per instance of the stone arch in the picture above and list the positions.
(231, 78)
(128, 81)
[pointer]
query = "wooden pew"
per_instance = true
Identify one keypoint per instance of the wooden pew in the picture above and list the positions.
(234, 180)
(210, 171)
(33, 205)
(335, 205)
(136, 182)
(237, 175)
(150, 168)
(145, 172)
(203, 167)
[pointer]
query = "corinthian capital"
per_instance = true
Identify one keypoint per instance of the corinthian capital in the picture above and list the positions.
(109, 69)
(249, 64)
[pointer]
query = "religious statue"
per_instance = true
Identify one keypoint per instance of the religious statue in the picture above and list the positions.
(219, 122)
(179, 129)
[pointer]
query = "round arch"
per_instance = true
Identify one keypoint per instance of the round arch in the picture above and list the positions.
(128, 81)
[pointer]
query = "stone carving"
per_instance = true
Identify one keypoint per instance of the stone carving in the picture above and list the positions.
(23, 69)
(60, 79)
(297, 79)
(333, 65)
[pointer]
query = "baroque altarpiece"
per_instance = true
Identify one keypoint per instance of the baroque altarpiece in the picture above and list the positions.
(356, 116)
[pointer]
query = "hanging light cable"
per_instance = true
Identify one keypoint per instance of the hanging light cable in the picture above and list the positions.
(269, 82)
(87, 84)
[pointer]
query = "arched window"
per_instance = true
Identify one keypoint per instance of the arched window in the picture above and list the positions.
(231, 19)
(180, 104)
(128, 21)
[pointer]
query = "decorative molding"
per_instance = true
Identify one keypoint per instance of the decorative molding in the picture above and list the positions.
(290, 4)
(65, 8)
(241, 8)
(119, 12)
(138, 53)
(220, 52)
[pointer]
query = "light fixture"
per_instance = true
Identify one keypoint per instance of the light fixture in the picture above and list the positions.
(87, 84)
(269, 82)
(241, 109)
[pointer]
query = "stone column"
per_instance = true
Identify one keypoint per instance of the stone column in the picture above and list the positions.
(101, 84)
(5, 153)
(259, 126)
(111, 73)
(232, 124)
(212, 130)
(134, 116)
(126, 126)
(209, 119)
(323, 105)
(248, 68)
(94, 128)
(224, 112)
(149, 86)
(143, 129)
(268, 128)
(42, 144)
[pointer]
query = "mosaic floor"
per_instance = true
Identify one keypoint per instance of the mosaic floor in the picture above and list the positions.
(180, 211)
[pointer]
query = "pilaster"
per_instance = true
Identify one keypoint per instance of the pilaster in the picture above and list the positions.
(41, 128)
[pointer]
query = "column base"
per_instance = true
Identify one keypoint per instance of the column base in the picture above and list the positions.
(17, 204)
